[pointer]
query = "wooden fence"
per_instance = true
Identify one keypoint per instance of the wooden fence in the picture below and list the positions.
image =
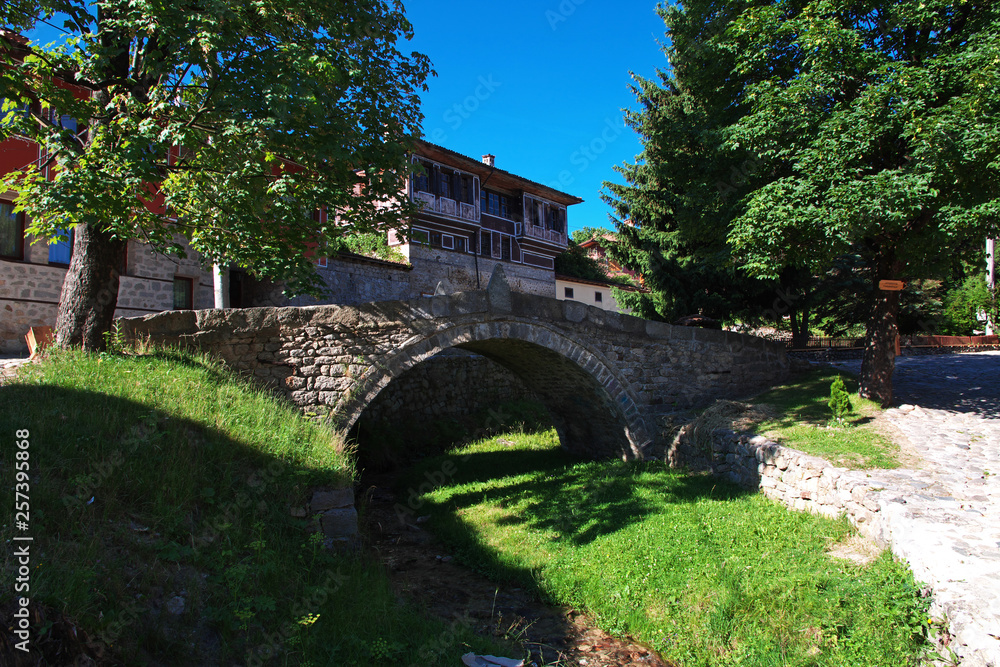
(824, 343)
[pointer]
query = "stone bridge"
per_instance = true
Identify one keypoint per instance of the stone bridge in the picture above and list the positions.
(606, 379)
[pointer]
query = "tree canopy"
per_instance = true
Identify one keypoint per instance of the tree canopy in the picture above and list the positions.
(230, 123)
(863, 130)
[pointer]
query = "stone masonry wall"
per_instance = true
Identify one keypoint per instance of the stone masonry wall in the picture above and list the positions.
(350, 279)
(456, 271)
(30, 289)
(795, 479)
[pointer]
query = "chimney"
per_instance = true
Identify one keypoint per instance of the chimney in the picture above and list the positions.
(490, 160)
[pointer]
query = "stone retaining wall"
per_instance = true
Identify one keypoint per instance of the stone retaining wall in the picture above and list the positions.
(797, 480)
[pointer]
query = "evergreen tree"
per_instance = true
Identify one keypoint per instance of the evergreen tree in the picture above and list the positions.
(673, 211)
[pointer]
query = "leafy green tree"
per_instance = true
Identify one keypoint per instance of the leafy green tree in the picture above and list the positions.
(235, 122)
(877, 127)
(963, 305)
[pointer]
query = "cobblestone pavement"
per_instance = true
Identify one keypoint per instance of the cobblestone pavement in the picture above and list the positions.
(943, 516)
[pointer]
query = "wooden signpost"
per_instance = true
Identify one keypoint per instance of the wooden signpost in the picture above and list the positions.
(891, 285)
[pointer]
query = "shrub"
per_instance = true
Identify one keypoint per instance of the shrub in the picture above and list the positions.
(840, 401)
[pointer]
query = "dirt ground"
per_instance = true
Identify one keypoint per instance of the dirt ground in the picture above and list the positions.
(422, 570)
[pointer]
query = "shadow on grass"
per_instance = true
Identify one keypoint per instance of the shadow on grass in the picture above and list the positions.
(133, 507)
(552, 492)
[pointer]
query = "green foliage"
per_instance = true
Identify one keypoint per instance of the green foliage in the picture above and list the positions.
(585, 234)
(705, 573)
(163, 475)
(964, 303)
(576, 263)
(840, 401)
(673, 211)
(276, 108)
(371, 244)
(789, 134)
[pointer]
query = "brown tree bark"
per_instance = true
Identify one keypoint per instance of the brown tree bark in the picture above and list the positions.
(800, 328)
(90, 290)
(879, 360)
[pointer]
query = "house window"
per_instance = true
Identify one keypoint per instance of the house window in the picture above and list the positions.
(444, 186)
(436, 239)
(553, 219)
(505, 248)
(491, 203)
(536, 214)
(568, 292)
(468, 195)
(11, 232)
(61, 251)
(183, 293)
(421, 181)
(68, 123)
(420, 237)
(460, 244)
(485, 243)
(448, 242)
(496, 204)
(598, 297)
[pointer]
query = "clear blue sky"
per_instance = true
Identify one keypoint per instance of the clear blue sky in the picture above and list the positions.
(539, 84)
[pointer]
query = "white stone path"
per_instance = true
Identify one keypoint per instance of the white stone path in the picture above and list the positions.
(943, 516)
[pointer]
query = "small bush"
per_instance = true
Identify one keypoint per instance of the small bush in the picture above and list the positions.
(840, 401)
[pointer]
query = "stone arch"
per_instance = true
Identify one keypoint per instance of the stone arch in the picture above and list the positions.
(586, 396)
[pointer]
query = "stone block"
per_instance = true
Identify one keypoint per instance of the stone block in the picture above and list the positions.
(339, 522)
(335, 499)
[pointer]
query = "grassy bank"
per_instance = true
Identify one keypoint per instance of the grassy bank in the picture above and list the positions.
(705, 573)
(797, 415)
(161, 494)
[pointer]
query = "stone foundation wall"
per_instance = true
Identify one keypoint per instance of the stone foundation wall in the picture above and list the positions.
(350, 280)
(456, 271)
(449, 385)
(795, 479)
(30, 289)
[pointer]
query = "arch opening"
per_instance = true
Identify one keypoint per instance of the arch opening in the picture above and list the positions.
(583, 397)
(455, 396)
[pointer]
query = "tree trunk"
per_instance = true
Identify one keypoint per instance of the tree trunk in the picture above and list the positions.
(800, 328)
(879, 360)
(90, 290)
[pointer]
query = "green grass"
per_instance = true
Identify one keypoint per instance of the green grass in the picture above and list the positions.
(804, 422)
(163, 476)
(704, 572)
